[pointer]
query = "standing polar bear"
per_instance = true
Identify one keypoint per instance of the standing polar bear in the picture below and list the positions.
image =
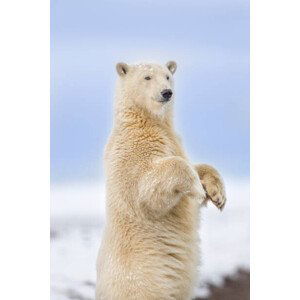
(149, 249)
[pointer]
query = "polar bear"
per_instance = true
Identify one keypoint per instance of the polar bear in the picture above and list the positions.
(149, 249)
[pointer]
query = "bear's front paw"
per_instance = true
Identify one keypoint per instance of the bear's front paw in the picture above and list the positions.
(187, 181)
(213, 185)
(197, 192)
(215, 192)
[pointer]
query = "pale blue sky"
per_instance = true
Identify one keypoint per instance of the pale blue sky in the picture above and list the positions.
(208, 39)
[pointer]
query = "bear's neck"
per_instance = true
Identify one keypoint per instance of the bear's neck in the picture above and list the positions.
(135, 116)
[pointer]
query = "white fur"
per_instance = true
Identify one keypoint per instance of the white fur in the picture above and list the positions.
(150, 244)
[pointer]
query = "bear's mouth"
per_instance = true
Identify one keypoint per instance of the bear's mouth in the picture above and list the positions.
(163, 100)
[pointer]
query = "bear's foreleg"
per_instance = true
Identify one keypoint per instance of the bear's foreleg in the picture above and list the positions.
(166, 182)
(213, 184)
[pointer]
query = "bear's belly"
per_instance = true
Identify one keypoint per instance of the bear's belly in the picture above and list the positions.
(150, 260)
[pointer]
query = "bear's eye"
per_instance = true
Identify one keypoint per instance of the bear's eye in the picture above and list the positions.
(168, 77)
(147, 77)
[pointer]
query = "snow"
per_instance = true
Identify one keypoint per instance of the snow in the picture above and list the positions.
(77, 218)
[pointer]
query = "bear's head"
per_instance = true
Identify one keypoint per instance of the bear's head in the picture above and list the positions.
(150, 86)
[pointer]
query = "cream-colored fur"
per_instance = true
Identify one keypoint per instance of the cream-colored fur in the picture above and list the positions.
(149, 248)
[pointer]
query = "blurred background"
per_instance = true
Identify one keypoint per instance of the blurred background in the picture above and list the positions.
(209, 40)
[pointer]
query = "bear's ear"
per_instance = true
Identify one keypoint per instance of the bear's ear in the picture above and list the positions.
(172, 66)
(122, 68)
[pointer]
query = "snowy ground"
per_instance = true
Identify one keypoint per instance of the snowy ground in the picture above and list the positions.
(77, 218)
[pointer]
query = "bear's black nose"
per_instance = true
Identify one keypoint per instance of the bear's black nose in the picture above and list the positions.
(167, 94)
